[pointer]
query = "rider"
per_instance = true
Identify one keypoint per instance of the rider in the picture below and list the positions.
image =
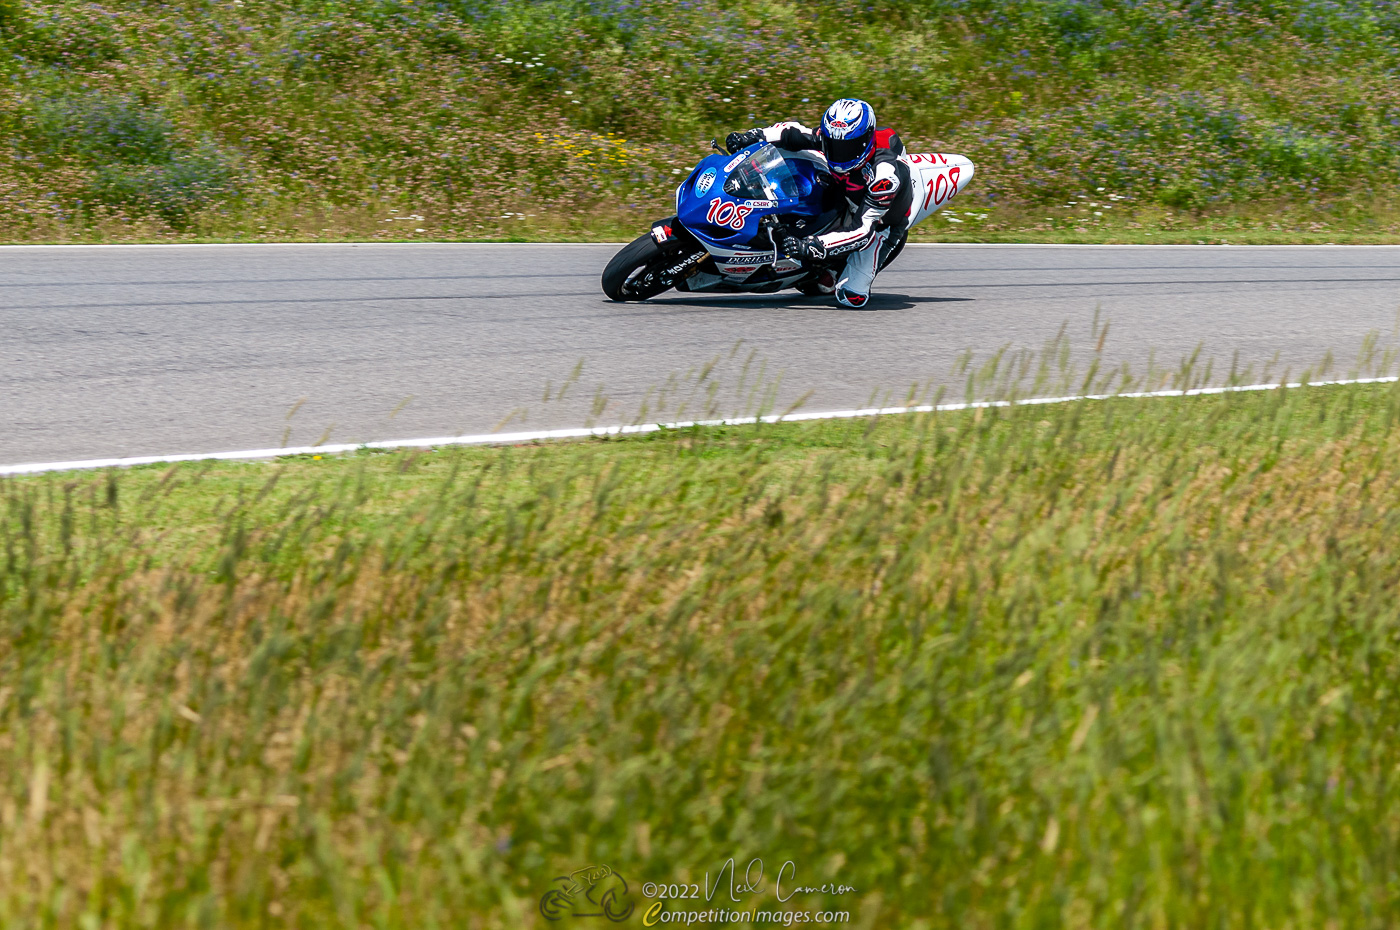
(865, 159)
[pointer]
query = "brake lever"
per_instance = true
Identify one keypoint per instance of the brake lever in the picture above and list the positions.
(714, 144)
(773, 225)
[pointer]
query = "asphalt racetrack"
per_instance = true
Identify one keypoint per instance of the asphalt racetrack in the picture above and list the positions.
(146, 350)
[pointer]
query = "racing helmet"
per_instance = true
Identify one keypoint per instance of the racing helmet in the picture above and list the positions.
(847, 135)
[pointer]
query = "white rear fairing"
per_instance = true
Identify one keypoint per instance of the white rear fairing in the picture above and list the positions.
(937, 179)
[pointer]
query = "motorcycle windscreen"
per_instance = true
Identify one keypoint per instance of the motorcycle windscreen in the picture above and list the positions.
(765, 175)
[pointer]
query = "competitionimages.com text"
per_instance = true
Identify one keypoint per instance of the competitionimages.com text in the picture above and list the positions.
(657, 914)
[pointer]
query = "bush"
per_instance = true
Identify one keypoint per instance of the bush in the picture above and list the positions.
(138, 160)
(104, 129)
(174, 190)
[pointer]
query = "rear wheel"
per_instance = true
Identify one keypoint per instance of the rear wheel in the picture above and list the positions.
(623, 278)
(891, 253)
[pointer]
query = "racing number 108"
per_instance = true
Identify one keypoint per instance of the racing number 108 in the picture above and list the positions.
(942, 188)
(727, 214)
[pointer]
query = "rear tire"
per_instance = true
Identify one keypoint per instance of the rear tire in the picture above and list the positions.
(637, 257)
(893, 253)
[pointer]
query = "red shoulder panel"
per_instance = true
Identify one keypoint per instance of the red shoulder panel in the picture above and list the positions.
(883, 138)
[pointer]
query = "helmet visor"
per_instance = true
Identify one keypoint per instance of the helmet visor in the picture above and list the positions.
(845, 152)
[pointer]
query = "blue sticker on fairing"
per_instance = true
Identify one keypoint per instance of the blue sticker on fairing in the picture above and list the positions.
(705, 181)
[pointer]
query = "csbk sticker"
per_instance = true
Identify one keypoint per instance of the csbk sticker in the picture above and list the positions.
(727, 214)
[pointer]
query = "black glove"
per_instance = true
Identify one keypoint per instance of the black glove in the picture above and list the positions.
(808, 249)
(794, 139)
(742, 140)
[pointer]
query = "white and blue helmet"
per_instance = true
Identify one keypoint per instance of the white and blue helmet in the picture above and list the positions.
(847, 135)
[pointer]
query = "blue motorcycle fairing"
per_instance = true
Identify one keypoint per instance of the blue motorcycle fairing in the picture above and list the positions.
(724, 199)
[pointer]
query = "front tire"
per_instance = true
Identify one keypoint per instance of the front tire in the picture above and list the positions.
(636, 258)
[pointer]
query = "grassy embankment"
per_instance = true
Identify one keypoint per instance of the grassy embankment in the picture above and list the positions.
(1126, 663)
(1091, 120)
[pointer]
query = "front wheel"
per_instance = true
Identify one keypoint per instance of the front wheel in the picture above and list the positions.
(626, 276)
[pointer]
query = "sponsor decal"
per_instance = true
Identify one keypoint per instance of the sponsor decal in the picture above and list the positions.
(760, 204)
(722, 213)
(705, 181)
(752, 258)
(661, 234)
(882, 186)
(734, 162)
(686, 264)
(919, 159)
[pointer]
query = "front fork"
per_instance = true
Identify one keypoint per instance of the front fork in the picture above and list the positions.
(681, 254)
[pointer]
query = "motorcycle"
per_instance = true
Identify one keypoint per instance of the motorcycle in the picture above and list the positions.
(733, 211)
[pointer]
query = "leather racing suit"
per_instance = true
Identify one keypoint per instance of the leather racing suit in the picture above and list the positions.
(879, 195)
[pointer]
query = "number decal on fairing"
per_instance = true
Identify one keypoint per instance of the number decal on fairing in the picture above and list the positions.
(941, 189)
(937, 191)
(727, 214)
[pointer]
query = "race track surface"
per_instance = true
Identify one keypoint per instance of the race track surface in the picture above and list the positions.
(147, 350)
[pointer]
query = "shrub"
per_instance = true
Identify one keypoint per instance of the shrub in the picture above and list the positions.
(173, 190)
(137, 158)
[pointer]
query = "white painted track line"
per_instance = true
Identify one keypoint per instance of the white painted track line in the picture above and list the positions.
(635, 429)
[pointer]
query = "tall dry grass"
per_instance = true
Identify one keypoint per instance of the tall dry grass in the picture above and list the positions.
(1119, 663)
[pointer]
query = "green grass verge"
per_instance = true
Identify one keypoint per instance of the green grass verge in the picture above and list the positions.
(1126, 663)
(198, 120)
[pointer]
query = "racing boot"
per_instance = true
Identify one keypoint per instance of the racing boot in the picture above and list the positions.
(823, 286)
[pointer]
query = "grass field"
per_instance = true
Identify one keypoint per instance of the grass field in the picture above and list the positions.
(1113, 664)
(1089, 120)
